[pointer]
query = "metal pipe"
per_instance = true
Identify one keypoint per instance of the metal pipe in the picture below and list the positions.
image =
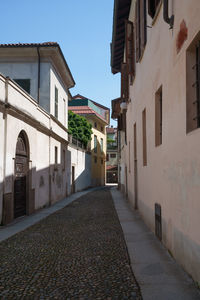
(5, 134)
(166, 18)
(38, 92)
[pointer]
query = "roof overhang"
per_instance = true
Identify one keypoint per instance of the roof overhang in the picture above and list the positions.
(47, 51)
(121, 13)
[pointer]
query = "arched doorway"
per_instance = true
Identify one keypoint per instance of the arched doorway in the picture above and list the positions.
(21, 173)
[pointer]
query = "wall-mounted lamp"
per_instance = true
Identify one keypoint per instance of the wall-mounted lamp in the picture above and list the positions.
(123, 105)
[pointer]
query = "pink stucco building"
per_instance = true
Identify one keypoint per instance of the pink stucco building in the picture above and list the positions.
(156, 47)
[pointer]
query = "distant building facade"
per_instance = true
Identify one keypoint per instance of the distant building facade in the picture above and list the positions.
(98, 116)
(157, 51)
(34, 93)
(111, 155)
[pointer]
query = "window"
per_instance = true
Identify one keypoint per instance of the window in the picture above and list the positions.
(56, 103)
(56, 155)
(101, 128)
(152, 7)
(64, 110)
(107, 157)
(95, 159)
(130, 48)
(144, 137)
(124, 82)
(141, 28)
(102, 161)
(63, 160)
(95, 124)
(24, 83)
(158, 117)
(101, 145)
(95, 144)
(193, 85)
(113, 155)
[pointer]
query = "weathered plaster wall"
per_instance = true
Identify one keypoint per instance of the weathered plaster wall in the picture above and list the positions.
(62, 97)
(172, 175)
(47, 181)
(29, 70)
(81, 160)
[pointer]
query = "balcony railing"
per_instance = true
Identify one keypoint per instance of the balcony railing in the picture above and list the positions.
(77, 143)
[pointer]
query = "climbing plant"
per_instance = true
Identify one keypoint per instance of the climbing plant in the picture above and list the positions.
(79, 127)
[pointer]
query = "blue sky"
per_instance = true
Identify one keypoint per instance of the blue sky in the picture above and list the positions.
(83, 28)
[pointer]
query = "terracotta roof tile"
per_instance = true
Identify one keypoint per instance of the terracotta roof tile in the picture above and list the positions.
(83, 110)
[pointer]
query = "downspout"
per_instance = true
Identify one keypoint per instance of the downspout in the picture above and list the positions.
(5, 139)
(38, 91)
(166, 18)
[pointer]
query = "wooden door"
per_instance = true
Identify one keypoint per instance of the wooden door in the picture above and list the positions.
(20, 183)
(73, 179)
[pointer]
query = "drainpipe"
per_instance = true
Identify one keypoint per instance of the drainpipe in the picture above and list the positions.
(5, 134)
(38, 91)
(166, 18)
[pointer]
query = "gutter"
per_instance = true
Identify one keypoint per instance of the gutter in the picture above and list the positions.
(5, 134)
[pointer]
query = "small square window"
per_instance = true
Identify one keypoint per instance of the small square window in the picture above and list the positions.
(24, 83)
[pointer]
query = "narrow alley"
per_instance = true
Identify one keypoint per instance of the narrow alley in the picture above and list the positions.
(78, 252)
(87, 247)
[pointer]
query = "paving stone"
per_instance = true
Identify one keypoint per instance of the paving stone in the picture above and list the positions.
(78, 252)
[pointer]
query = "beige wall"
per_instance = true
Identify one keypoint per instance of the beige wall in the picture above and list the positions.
(47, 182)
(98, 168)
(172, 175)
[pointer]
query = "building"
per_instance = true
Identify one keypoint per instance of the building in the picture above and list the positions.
(157, 52)
(99, 116)
(34, 93)
(111, 155)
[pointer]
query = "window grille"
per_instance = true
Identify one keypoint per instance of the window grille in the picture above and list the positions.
(196, 84)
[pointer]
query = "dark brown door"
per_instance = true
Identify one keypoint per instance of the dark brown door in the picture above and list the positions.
(20, 186)
(73, 179)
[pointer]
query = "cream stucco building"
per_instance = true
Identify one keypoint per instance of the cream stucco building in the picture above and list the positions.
(157, 51)
(34, 93)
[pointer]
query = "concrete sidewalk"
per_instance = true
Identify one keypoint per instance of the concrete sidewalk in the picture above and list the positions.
(158, 275)
(24, 222)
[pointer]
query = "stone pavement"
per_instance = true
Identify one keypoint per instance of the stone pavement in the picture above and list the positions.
(77, 252)
(158, 275)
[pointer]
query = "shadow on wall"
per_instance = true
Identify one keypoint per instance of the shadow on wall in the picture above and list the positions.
(28, 189)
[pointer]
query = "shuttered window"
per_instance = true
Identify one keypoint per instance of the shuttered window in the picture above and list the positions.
(95, 144)
(158, 117)
(193, 86)
(144, 137)
(141, 27)
(124, 82)
(56, 102)
(130, 48)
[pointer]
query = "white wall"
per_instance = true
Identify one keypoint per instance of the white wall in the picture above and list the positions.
(62, 94)
(81, 160)
(49, 183)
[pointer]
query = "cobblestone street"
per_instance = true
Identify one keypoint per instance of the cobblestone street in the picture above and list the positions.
(78, 252)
